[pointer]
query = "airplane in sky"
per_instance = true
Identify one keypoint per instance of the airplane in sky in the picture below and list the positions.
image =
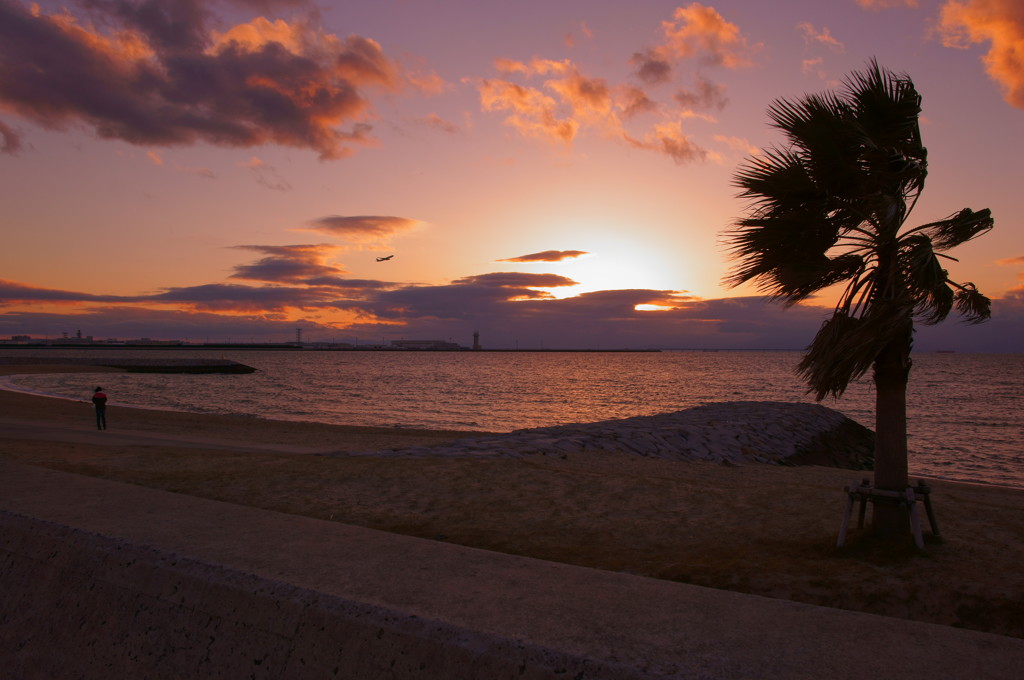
(384, 259)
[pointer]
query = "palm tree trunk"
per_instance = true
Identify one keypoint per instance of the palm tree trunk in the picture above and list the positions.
(892, 370)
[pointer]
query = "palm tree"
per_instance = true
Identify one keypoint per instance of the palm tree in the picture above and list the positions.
(830, 208)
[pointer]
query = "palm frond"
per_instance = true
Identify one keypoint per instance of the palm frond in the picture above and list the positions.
(777, 180)
(887, 107)
(786, 254)
(926, 280)
(808, 121)
(974, 306)
(820, 131)
(845, 347)
(799, 279)
(825, 367)
(936, 305)
(958, 228)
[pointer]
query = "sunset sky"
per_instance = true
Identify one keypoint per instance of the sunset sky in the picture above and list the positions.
(552, 173)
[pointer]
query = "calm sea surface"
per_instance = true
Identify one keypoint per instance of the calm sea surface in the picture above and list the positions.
(964, 410)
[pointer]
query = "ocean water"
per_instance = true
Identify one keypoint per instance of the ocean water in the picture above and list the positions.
(964, 410)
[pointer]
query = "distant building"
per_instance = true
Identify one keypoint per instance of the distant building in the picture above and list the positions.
(78, 339)
(150, 341)
(476, 341)
(425, 344)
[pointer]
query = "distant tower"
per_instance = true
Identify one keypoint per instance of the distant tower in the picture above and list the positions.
(298, 336)
(476, 340)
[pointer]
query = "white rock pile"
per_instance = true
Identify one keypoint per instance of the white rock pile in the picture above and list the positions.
(729, 432)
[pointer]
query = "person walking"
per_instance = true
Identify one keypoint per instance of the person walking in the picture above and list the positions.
(99, 400)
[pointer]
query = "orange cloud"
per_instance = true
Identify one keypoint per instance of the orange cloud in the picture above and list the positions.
(999, 23)
(697, 30)
(259, 32)
(580, 103)
(589, 99)
(706, 95)
(886, 4)
(547, 256)
(534, 67)
(668, 138)
(289, 264)
(124, 45)
(516, 280)
(363, 228)
(576, 101)
(823, 37)
(739, 144)
(812, 65)
(570, 38)
(633, 101)
(428, 83)
(531, 112)
(1011, 260)
(569, 102)
(508, 66)
(435, 121)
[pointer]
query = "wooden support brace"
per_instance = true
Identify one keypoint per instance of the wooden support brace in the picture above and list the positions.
(865, 492)
(850, 495)
(915, 520)
(924, 491)
(865, 485)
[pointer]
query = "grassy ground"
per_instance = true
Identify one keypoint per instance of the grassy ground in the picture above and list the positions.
(756, 529)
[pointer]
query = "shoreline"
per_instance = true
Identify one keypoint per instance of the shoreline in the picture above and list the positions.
(405, 437)
(753, 528)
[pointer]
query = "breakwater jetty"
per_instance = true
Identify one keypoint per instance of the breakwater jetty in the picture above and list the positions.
(734, 432)
(136, 365)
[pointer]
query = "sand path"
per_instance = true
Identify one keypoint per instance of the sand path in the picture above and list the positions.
(14, 429)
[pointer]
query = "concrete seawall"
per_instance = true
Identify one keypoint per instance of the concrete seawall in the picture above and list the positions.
(114, 610)
(106, 580)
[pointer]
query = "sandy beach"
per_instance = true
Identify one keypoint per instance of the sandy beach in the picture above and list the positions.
(751, 528)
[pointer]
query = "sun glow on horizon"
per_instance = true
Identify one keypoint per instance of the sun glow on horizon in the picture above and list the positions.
(616, 262)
